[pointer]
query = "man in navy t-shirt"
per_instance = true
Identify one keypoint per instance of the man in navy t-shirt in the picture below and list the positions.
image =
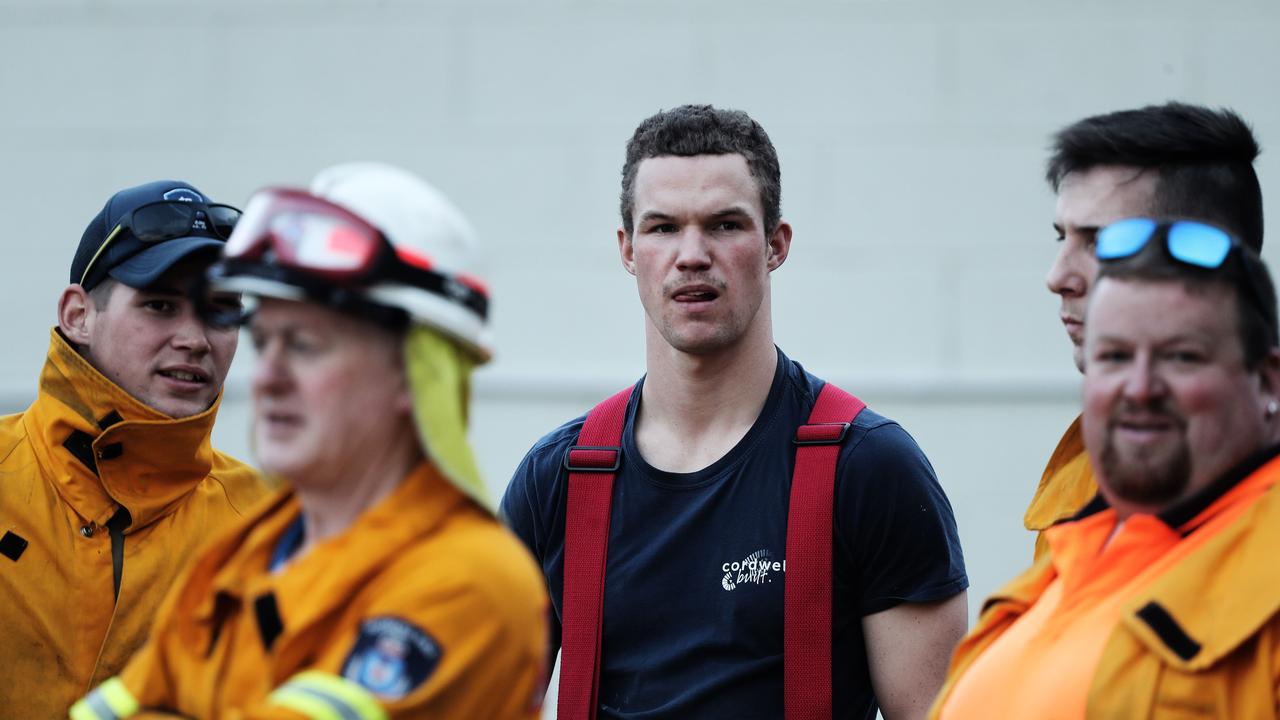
(693, 600)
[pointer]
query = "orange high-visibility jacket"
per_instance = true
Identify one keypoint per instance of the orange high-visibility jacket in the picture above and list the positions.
(85, 452)
(1066, 486)
(424, 607)
(1212, 650)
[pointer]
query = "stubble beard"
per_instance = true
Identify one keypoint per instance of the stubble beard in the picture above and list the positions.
(705, 336)
(699, 343)
(1147, 475)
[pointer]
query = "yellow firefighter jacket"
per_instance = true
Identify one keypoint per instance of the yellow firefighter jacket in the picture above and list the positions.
(425, 607)
(1066, 486)
(1202, 641)
(78, 590)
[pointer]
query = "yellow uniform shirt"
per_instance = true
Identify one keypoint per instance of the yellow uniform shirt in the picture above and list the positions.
(424, 607)
(1066, 486)
(84, 450)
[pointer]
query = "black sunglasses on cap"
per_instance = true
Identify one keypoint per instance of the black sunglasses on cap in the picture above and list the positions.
(168, 220)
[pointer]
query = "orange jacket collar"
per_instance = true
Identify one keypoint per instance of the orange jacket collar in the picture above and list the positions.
(1066, 485)
(1223, 593)
(145, 461)
(1239, 558)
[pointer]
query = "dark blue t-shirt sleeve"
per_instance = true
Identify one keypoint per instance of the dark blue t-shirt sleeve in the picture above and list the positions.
(894, 525)
(518, 508)
(532, 505)
(531, 508)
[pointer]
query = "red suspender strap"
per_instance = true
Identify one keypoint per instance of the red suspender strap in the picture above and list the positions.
(592, 465)
(808, 591)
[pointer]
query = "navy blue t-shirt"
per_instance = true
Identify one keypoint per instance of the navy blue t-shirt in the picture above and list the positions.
(694, 580)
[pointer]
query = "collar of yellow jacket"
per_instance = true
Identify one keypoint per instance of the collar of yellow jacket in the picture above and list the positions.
(102, 448)
(1066, 485)
(336, 567)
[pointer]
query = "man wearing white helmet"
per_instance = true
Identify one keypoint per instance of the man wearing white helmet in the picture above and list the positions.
(377, 583)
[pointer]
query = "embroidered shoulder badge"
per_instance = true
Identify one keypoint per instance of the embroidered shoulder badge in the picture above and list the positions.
(391, 657)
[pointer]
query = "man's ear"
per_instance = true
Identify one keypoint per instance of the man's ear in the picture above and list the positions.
(779, 245)
(76, 314)
(626, 251)
(1269, 376)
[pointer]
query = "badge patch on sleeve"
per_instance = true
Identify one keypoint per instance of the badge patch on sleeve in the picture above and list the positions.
(391, 657)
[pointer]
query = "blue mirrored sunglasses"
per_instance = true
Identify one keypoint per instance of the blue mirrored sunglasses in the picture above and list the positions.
(1189, 242)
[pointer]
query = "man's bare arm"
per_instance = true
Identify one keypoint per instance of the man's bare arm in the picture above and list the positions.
(908, 649)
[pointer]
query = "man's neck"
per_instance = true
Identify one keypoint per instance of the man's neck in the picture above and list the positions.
(695, 408)
(332, 504)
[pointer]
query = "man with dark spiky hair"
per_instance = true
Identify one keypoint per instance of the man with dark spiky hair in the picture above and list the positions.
(1170, 160)
(698, 568)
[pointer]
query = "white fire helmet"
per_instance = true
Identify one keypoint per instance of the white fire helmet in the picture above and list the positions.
(448, 331)
(416, 217)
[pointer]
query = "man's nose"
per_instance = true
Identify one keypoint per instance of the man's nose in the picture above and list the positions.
(1066, 277)
(269, 374)
(192, 333)
(694, 250)
(1143, 383)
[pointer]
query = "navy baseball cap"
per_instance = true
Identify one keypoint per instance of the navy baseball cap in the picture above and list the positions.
(139, 262)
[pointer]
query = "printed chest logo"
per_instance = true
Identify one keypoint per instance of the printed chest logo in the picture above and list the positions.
(758, 568)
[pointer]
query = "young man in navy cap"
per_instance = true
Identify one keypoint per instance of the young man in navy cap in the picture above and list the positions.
(108, 482)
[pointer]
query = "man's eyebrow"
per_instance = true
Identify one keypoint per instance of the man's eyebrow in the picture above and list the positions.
(733, 210)
(723, 212)
(1087, 229)
(649, 215)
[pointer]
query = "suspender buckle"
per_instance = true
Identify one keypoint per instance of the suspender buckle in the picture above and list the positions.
(593, 459)
(821, 433)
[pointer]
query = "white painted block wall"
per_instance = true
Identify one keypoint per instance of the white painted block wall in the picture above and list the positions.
(912, 137)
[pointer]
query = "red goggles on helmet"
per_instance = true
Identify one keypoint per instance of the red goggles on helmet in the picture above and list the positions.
(297, 231)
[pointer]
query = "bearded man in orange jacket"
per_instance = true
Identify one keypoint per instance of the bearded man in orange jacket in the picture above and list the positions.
(1161, 598)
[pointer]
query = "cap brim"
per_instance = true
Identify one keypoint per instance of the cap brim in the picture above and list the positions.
(145, 268)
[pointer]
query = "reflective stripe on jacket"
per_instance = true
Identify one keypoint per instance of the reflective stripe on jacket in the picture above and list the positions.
(310, 694)
(86, 452)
